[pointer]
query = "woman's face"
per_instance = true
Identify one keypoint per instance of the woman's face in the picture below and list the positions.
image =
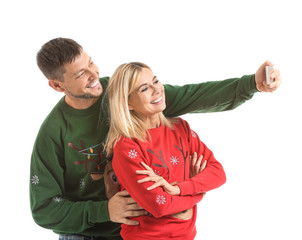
(148, 98)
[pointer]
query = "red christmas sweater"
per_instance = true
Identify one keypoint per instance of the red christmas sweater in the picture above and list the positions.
(168, 155)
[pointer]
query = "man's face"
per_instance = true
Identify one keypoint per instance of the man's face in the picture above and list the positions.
(81, 81)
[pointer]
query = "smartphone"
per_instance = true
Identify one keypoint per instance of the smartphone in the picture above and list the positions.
(268, 72)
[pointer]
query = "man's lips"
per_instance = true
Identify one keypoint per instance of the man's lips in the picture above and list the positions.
(93, 84)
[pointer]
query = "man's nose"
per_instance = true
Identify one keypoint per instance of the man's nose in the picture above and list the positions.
(93, 73)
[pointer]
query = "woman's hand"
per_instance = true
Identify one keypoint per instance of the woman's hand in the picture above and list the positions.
(195, 165)
(195, 168)
(158, 181)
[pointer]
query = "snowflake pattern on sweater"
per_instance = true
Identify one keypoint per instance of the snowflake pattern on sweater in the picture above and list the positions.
(35, 180)
(168, 155)
(161, 199)
(174, 160)
(132, 153)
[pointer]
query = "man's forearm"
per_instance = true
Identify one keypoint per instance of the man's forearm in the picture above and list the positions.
(205, 97)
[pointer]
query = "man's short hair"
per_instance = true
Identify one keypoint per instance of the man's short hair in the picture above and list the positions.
(54, 54)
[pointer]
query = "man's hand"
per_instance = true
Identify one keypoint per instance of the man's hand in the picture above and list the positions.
(260, 79)
(121, 206)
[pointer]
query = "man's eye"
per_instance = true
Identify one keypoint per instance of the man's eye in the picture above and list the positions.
(81, 74)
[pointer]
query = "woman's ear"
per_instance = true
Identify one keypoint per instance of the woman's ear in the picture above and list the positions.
(130, 107)
(56, 85)
(129, 103)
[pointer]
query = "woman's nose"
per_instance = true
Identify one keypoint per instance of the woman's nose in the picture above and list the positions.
(155, 91)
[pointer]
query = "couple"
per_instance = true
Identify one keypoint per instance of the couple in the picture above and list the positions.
(69, 167)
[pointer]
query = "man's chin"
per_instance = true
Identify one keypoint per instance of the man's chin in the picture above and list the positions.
(91, 95)
(87, 96)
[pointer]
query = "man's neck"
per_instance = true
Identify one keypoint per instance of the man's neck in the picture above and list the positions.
(80, 103)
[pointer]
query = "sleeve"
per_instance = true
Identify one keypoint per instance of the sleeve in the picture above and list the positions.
(205, 97)
(126, 160)
(50, 209)
(213, 176)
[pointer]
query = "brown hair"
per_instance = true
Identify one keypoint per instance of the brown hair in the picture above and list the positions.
(54, 54)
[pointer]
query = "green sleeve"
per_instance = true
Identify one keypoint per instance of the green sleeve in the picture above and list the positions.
(50, 208)
(206, 97)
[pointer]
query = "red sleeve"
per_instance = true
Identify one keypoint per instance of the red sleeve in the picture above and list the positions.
(213, 176)
(127, 157)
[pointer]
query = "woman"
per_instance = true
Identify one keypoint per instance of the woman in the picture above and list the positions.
(141, 138)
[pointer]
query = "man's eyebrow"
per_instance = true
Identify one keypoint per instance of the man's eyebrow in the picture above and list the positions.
(77, 73)
(146, 83)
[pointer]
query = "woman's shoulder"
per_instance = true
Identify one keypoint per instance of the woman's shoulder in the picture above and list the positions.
(126, 142)
(178, 122)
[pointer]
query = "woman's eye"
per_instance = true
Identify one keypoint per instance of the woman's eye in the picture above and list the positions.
(144, 89)
(156, 81)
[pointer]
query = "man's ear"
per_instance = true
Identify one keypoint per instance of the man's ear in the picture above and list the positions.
(56, 85)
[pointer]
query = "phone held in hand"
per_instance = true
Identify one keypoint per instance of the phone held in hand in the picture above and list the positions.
(268, 72)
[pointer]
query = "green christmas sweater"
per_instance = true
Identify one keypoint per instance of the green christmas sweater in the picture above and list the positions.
(68, 152)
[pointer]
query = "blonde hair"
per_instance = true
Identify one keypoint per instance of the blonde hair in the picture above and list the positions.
(124, 122)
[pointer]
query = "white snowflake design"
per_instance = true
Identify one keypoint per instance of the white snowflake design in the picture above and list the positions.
(193, 134)
(57, 199)
(132, 154)
(174, 160)
(161, 199)
(82, 183)
(35, 180)
(156, 172)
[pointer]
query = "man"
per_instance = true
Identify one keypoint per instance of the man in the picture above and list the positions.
(69, 173)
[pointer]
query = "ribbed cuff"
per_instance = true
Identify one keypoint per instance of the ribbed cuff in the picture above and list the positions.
(99, 212)
(186, 188)
(250, 84)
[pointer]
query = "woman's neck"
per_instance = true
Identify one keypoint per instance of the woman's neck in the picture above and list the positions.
(151, 121)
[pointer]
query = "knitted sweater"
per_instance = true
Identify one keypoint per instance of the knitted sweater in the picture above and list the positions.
(167, 153)
(68, 149)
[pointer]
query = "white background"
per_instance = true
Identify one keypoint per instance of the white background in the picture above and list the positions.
(259, 144)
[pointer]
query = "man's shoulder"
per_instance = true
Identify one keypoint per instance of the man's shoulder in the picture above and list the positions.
(104, 81)
(54, 118)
